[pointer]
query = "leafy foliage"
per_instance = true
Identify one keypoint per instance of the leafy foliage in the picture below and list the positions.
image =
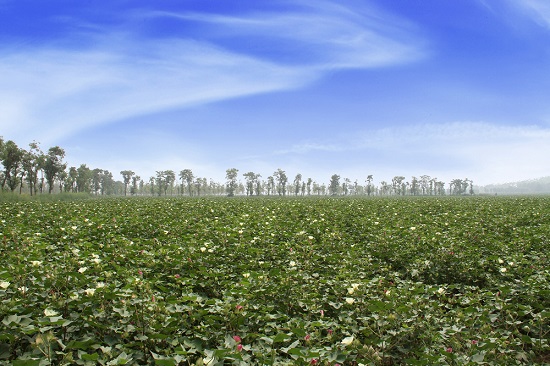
(217, 281)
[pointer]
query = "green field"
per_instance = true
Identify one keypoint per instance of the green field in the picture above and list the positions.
(217, 281)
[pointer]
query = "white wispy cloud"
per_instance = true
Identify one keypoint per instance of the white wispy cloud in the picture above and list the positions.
(539, 10)
(324, 34)
(57, 89)
(58, 92)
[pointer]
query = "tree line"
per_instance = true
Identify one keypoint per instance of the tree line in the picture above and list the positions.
(36, 171)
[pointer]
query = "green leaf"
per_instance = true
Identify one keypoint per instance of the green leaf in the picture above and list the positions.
(89, 357)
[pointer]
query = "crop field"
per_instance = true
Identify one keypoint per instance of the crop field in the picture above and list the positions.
(269, 281)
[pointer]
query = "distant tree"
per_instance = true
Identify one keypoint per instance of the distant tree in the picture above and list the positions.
(345, 186)
(251, 182)
(126, 177)
(169, 180)
(160, 182)
(282, 180)
(187, 176)
(414, 186)
(385, 188)
(73, 175)
(134, 188)
(33, 161)
(396, 184)
(107, 183)
(309, 182)
(334, 184)
(456, 186)
(259, 187)
(53, 165)
(83, 178)
(62, 177)
(231, 176)
(152, 185)
(11, 159)
(435, 186)
(425, 183)
(297, 183)
(369, 184)
(270, 185)
(439, 188)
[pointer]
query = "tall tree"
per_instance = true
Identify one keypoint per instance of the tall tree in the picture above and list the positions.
(84, 178)
(186, 175)
(309, 182)
(282, 180)
(126, 177)
(53, 165)
(414, 186)
(73, 175)
(231, 177)
(107, 182)
(200, 183)
(270, 185)
(33, 161)
(169, 179)
(297, 183)
(369, 184)
(251, 182)
(11, 159)
(396, 184)
(334, 184)
(134, 188)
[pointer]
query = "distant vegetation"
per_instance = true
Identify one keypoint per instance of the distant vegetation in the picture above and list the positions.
(35, 172)
(533, 186)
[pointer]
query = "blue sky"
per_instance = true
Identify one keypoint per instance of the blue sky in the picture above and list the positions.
(451, 89)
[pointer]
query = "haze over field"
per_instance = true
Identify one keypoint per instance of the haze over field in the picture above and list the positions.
(447, 89)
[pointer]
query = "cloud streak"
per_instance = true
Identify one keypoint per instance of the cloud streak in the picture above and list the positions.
(539, 10)
(57, 90)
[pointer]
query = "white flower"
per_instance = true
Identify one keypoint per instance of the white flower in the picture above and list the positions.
(4, 284)
(74, 227)
(210, 250)
(511, 263)
(350, 300)
(100, 285)
(74, 296)
(500, 261)
(347, 341)
(82, 269)
(203, 249)
(355, 286)
(90, 291)
(50, 312)
(503, 270)
(413, 228)
(23, 288)
(351, 290)
(441, 290)
(36, 263)
(96, 260)
(292, 263)
(246, 275)
(310, 237)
